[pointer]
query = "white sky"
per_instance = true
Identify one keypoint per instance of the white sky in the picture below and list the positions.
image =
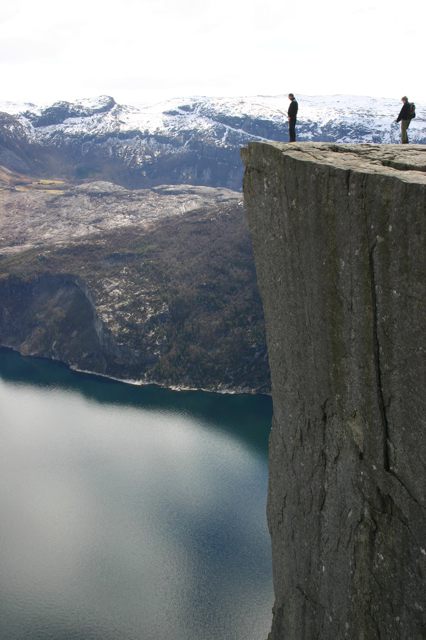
(150, 50)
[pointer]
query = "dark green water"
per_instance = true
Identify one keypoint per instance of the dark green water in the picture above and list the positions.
(130, 513)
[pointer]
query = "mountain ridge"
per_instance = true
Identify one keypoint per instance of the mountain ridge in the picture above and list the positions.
(181, 141)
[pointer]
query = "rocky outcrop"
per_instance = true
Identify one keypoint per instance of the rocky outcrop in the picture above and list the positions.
(339, 234)
(54, 316)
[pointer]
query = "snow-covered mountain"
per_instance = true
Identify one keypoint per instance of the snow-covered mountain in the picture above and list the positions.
(192, 140)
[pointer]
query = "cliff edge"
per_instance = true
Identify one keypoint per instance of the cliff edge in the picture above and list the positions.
(338, 234)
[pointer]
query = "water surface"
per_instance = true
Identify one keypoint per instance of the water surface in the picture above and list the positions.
(130, 513)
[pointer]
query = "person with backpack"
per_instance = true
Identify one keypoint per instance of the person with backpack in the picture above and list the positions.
(405, 116)
(292, 113)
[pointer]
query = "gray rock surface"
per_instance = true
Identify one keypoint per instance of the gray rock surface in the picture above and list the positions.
(33, 218)
(339, 239)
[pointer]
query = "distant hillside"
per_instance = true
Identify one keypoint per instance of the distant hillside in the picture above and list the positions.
(182, 141)
(146, 285)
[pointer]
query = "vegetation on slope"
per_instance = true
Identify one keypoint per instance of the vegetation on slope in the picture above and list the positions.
(181, 296)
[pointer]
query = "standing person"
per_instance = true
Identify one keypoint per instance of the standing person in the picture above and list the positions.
(405, 118)
(292, 113)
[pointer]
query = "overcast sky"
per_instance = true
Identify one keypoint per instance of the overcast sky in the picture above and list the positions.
(150, 50)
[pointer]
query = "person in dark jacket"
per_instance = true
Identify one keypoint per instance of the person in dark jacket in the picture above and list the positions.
(405, 119)
(292, 113)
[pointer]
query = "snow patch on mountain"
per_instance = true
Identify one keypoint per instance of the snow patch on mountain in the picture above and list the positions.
(16, 108)
(226, 121)
(192, 140)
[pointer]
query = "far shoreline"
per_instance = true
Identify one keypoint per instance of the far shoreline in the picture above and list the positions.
(141, 383)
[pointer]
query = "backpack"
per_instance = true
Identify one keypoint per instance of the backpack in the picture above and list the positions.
(412, 110)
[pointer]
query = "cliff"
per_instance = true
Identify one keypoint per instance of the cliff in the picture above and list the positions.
(338, 234)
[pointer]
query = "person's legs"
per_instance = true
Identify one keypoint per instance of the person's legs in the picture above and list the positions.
(292, 130)
(404, 126)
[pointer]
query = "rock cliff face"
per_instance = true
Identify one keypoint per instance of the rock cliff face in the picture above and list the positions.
(54, 316)
(339, 237)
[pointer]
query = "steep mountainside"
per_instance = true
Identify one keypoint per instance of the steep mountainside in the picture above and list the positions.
(147, 285)
(181, 141)
(339, 236)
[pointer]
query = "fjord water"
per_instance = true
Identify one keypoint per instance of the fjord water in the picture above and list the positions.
(130, 513)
